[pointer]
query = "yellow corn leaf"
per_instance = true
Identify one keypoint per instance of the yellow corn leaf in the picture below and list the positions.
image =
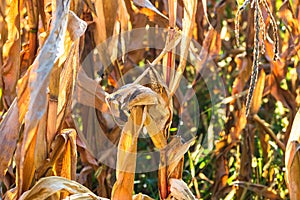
(46, 187)
(83, 196)
(63, 156)
(38, 80)
(141, 196)
(9, 129)
(10, 69)
(258, 92)
(127, 149)
(65, 166)
(187, 32)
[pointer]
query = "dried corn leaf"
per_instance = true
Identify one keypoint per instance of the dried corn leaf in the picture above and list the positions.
(66, 85)
(63, 156)
(85, 156)
(152, 12)
(65, 166)
(83, 196)
(292, 161)
(127, 149)
(149, 5)
(88, 92)
(46, 187)
(190, 7)
(42, 66)
(99, 20)
(128, 96)
(11, 66)
(39, 73)
(9, 134)
(288, 17)
(261, 190)
(141, 196)
(175, 151)
(180, 190)
(258, 93)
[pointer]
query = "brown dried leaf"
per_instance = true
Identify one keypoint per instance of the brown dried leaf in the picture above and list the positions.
(282, 95)
(288, 17)
(258, 92)
(292, 161)
(85, 156)
(9, 129)
(244, 68)
(259, 189)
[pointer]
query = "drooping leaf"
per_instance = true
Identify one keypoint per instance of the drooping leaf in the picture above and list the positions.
(48, 186)
(9, 129)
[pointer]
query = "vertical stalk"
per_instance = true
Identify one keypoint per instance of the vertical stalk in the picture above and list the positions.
(172, 24)
(33, 18)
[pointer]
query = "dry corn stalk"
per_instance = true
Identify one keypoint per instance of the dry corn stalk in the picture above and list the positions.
(149, 107)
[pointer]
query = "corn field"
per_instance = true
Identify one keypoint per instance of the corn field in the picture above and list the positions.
(149, 99)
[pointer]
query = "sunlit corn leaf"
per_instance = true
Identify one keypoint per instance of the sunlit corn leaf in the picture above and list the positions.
(65, 166)
(40, 71)
(11, 65)
(180, 190)
(258, 93)
(63, 157)
(187, 31)
(75, 29)
(126, 158)
(175, 151)
(128, 96)
(152, 12)
(83, 196)
(105, 19)
(46, 187)
(141, 196)
(88, 92)
(9, 129)
(292, 161)
(149, 5)
(35, 156)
